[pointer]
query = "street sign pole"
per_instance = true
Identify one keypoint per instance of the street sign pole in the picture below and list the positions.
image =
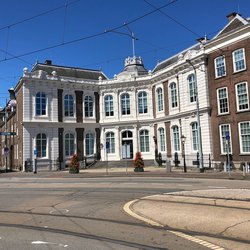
(228, 159)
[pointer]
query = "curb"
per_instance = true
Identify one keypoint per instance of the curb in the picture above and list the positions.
(128, 208)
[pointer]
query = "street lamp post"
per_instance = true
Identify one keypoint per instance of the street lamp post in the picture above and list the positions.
(201, 163)
(183, 138)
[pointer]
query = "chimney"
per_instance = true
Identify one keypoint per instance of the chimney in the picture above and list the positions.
(12, 93)
(48, 62)
(231, 16)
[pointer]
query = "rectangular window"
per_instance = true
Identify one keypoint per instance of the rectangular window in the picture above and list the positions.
(222, 100)
(220, 66)
(244, 128)
(239, 60)
(225, 139)
(242, 96)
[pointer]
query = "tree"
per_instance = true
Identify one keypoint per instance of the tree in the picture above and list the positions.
(138, 163)
(74, 165)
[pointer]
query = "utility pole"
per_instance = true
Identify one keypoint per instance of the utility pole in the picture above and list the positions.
(5, 127)
(201, 163)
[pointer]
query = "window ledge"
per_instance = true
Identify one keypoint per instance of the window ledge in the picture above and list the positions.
(224, 114)
(219, 77)
(242, 111)
(236, 72)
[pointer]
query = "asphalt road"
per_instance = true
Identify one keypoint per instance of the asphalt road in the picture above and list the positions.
(74, 213)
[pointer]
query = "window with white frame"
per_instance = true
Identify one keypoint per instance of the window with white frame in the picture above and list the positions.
(69, 144)
(244, 129)
(144, 141)
(222, 100)
(192, 88)
(195, 144)
(173, 94)
(89, 143)
(40, 104)
(176, 138)
(125, 104)
(239, 62)
(143, 102)
(88, 106)
(220, 66)
(110, 139)
(109, 105)
(41, 145)
(159, 99)
(242, 96)
(161, 139)
(225, 139)
(68, 106)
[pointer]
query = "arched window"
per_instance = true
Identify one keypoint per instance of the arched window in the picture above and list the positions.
(69, 144)
(109, 105)
(160, 99)
(68, 105)
(144, 141)
(194, 136)
(173, 94)
(176, 138)
(110, 140)
(125, 104)
(89, 144)
(142, 102)
(41, 145)
(192, 88)
(40, 103)
(88, 105)
(161, 139)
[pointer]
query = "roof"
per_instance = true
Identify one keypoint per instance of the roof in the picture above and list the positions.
(173, 59)
(237, 22)
(70, 71)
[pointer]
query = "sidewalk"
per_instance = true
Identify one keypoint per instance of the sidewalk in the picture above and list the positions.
(215, 218)
(122, 172)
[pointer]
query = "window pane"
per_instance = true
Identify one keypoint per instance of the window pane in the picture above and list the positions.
(220, 66)
(195, 136)
(142, 102)
(173, 95)
(223, 100)
(226, 145)
(239, 60)
(192, 88)
(242, 96)
(144, 141)
(160, 99)
(110, 138)
(176, 138)
(245, 137)
(162, 139)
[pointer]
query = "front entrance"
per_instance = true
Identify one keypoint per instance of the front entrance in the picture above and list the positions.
(127, 145)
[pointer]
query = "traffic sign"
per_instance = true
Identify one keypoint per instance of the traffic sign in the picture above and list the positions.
(7, 133)
(6, 151)
(227, 136)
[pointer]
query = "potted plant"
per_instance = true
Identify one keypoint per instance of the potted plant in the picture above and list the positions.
(138, 163)
(74, 165)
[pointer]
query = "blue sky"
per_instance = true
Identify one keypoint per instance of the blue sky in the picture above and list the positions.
(160, 34)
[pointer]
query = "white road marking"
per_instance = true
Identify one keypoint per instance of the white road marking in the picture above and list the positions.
(215, 187)
(180, 234)
(130, 183)
(185, 185)
(38, 242)
(59, 210)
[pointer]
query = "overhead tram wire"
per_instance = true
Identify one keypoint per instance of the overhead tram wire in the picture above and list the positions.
(38, 15)
(90, 36)
(173, 19)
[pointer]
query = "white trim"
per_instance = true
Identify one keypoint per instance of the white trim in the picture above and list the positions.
(244, 57)
(240, 141)
(218, 101)
(237, 99)
(215, 66)
(221, 141)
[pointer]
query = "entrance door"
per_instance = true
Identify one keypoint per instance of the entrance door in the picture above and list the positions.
(127, 145)
(127, 149)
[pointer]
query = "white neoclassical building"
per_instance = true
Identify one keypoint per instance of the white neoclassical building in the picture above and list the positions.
(65, 110)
